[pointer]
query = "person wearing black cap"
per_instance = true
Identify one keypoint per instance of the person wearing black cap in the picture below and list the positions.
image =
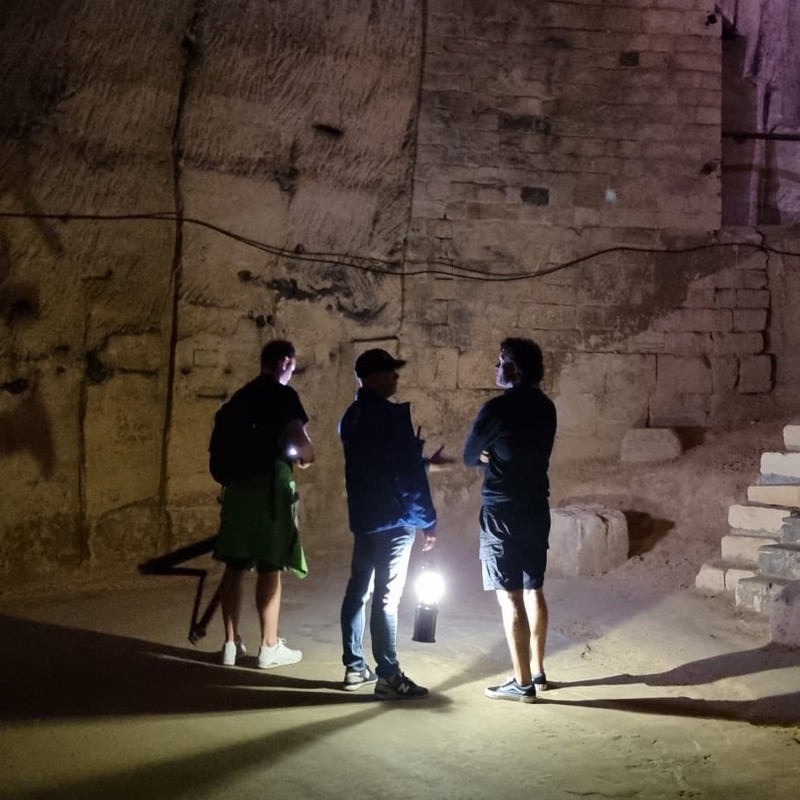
(388, 498)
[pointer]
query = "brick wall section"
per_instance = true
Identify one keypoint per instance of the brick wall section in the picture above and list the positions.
(550, 131)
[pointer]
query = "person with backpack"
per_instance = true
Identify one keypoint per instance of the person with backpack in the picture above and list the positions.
(258, 435)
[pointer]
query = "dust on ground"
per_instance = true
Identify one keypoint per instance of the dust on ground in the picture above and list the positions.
(660, 692)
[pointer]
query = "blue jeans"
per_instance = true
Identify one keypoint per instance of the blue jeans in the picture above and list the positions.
(384, 555)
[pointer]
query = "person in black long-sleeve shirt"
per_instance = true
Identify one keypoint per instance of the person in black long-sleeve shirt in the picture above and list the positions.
(512, 438)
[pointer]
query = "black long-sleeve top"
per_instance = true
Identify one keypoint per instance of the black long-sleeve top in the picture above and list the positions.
(517, 429)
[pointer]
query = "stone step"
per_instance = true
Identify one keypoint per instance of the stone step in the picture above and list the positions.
(744, 546)
(757, 593)
(791, 436)
(786, 464)
(756, 518)
(723, 576)
(784, 616)
(780, 559)
(790, 530)
(766, 479)
(777, 495)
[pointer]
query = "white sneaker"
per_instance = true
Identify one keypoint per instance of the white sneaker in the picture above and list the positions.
(278, 656)
(232, 652)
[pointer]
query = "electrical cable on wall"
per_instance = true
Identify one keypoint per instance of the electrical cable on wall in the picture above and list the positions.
(394, 268)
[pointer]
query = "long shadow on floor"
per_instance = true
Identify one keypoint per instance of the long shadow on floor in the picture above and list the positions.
(53, 672)
(779, 709)
(708, 670)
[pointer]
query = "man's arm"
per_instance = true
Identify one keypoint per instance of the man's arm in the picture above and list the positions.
(299, 447)
(484, 432)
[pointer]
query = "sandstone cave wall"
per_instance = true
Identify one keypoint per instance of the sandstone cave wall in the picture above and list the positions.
(403, 138)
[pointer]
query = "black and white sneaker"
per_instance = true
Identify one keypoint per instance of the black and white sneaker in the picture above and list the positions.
(356, 678)
(540, 682)
(511, 690)
(399, 687)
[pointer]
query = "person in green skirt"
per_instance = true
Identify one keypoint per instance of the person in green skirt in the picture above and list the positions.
(258, 521)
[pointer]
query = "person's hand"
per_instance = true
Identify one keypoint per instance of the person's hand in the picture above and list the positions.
(438, 462)
(484, 457)
(430, 539)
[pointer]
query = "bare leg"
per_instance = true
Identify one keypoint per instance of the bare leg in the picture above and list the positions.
(536, 608)
(230, 592)
(518, 633)
(268, 603)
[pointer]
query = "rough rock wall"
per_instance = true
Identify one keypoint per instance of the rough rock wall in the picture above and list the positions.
(356, 159)
(569, 157)
(297, 132)
(89, 95)
(288, 124)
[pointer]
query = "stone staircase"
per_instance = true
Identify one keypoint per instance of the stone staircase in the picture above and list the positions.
(761, 553)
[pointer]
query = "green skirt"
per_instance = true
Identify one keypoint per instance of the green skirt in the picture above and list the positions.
(258, 522)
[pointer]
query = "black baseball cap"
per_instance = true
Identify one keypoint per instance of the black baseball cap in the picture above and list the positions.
(377, 360)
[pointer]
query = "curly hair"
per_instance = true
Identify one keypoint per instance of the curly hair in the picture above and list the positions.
(526, 356)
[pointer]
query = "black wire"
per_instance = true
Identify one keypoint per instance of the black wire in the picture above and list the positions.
(381, 266)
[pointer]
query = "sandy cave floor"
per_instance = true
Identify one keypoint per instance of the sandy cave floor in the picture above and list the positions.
(662, 692)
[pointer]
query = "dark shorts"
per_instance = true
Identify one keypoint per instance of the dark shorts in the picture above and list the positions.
(248, 563)
(513, 546)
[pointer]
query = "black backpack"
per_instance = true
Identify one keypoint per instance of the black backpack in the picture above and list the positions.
(242, 445)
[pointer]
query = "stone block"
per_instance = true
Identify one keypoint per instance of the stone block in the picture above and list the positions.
(755, 279)
(750, 319)
(205, 358)
(777, 495)
(724, 373)
(756, 518)
(737, 343)
(757, 593)
(752, 298)
(737, 573)
(783, 464)
(440, 368)
(680, 344)
(791, 437)
(744, 546)
(577, 413)
(536, 316)
(687, 375)
(587, 540)
(722, 575)
(641, 445)
(755, 374)
(122, 442)
(784, 616)
(711, 577)
(134, 352)
(668, 410)
(782, 560)
(769, 479)
(476, 369)
(790, 531)
(699, 320)
(724, 298)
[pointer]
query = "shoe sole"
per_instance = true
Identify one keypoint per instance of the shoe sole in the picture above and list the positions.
(273, 664)
(226, 662)
(353, 687)
(400, 696)
(517, 698)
